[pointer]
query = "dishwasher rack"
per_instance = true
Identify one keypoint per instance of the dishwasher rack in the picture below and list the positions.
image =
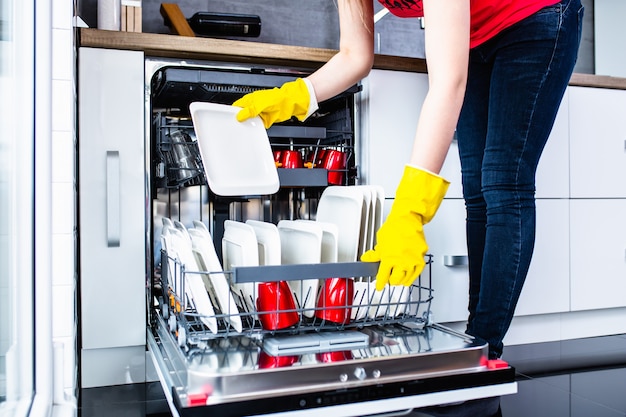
(406, 306)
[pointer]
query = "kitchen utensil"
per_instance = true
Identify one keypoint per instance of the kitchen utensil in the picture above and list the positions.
(236, 156)
(278, 156)
(335, 163)
(301, 243)
(335, 299)
(336, 356)
(184, 156)
(268, 241)
(275, 303)
(330, 240)
(342, 206)
(239, 248)
(291, 159)
(195, 289)
(276, 306)
(267, 361)
(207, 259)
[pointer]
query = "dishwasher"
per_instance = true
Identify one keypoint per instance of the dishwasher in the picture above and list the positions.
(387, 361)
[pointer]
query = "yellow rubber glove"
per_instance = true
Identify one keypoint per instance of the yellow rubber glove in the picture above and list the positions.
(400, 242)
(294, 98)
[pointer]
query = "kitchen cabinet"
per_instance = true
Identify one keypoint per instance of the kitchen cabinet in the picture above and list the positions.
(391, 102)
(445, 236)
(112, 284)
(547, 285)
(598, 253)
(598, 143)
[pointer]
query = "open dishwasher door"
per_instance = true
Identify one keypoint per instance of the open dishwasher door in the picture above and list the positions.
(385, 355)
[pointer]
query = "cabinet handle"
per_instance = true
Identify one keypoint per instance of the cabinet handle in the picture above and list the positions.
(113, 199)
(455, 260)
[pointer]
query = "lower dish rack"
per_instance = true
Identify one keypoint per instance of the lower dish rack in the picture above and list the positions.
(328, 299)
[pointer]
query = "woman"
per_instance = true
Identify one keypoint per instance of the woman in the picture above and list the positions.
(497, 72)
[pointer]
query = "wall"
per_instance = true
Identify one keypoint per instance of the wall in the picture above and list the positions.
(64, 272)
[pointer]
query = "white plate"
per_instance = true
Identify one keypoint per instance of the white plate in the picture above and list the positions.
(366, 216)
(194, 285)
(239, 248)
(330, 240)
(237, 156)
(268, 241)
(203, 248)
(301, 243)
(379, 204)
(343, 206)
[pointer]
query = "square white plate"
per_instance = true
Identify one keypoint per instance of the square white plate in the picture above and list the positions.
(237, 156)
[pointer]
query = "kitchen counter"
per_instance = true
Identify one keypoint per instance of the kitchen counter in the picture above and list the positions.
(173, 46)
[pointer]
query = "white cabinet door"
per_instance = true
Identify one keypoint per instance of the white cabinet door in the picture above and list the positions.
(546, 289)
(451, 170)
(547, 286)
(598, 253)
(112, 219)
(553, 171)
(391, 102)
(597, 143)
(445, 236)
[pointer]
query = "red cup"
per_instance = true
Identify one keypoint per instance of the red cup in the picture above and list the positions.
(291, 159)
(278, 155)
(315, 158)
(337, 356)
(267, 361)
(335, 163)
(335, 300)
(276, 306)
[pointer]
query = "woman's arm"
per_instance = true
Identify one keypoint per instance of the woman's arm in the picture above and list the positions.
(447, 25)
(356, 50)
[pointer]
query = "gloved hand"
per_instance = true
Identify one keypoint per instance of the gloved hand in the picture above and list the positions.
(294, 98)
(400, 242)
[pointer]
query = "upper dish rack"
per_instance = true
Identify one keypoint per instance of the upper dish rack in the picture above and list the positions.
(409, 306)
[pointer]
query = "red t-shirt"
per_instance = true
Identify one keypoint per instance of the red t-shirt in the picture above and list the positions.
(488, 17)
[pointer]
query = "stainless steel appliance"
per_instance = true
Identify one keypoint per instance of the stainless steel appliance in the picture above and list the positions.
(376, 364)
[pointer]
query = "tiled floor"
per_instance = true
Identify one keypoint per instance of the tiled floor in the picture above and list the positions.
(577, 378)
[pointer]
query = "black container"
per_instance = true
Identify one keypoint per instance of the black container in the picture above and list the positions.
(225, 24)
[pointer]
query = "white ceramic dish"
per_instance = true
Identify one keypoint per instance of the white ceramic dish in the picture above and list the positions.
(343, 206)
(366, 218)
(195, 288)
(301, 243)
(197, 224)
(268, 241)
(237, 156)
(239, 248)
(330, 240)
(379, 204)
(203, 248)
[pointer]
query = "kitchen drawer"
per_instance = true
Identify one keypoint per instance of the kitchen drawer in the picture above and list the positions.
(597, 143)
(598, 254)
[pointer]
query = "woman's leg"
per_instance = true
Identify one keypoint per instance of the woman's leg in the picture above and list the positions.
(529, 66)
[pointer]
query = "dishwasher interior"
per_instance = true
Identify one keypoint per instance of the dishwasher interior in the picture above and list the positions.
(238, 356)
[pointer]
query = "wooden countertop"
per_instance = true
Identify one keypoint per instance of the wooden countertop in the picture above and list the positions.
(173, 46)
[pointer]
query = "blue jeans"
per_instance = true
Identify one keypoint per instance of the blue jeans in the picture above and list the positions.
(515, 85)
